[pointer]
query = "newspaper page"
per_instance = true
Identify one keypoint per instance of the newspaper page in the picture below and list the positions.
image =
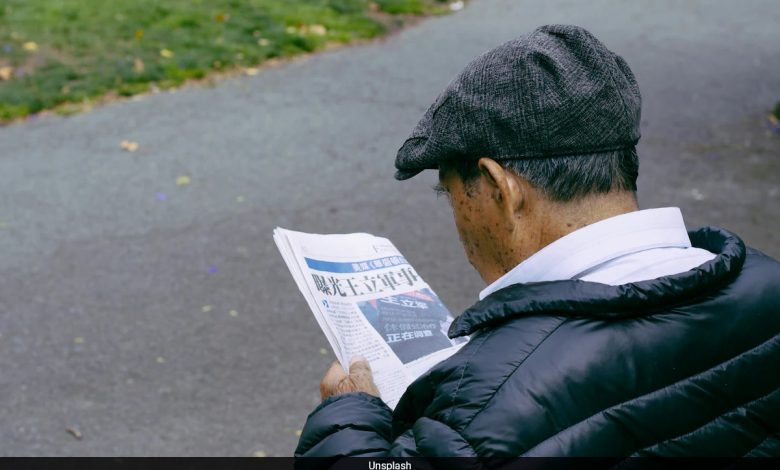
(369, 301)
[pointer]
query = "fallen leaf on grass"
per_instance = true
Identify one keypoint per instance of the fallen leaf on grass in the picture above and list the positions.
(30, 46)
(74, 432)
(6, 73)
(315, 29)
(183, 181)
(262, 42)
(166, 53)
(129, 145)
(318, 30)
(138, 65)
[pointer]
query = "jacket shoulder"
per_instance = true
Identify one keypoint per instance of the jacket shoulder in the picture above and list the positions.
(562, 385)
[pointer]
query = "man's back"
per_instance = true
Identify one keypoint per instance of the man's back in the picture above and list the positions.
(680, 365)
(603, 329)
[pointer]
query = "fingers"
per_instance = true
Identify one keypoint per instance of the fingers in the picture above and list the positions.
(359, 365)
(331, 380)
(361, 377)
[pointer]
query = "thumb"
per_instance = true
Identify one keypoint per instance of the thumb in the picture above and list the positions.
(331, 380)
(359, 365)
(361, 377)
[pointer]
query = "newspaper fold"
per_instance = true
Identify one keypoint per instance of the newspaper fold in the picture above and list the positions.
(369, 301)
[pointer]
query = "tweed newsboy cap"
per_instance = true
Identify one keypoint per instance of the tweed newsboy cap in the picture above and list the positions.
(555, 91)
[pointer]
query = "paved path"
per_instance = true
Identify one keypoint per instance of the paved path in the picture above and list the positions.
(102, 325)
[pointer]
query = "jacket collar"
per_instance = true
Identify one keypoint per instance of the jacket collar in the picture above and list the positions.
(576, 298)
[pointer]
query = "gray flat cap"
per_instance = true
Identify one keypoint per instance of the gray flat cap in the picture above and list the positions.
(555, 91)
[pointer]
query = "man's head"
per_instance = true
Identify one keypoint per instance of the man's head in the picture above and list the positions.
(532, 140)
(506, 212)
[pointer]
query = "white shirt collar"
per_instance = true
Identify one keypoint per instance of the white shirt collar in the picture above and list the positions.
(597, 243)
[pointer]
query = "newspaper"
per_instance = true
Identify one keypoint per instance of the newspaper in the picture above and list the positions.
(370, 302)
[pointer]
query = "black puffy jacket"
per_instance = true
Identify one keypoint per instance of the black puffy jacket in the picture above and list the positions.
(682, 365)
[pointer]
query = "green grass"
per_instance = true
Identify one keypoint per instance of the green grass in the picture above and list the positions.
(777, 110)
(56, 53)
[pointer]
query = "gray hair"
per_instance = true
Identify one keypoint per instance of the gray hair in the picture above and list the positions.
(569, 177)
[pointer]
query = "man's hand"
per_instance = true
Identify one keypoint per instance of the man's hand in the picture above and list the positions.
(336, 381)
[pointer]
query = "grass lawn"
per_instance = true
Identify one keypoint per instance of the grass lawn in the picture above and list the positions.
(58, 54)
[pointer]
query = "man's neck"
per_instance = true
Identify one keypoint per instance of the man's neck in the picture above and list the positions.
(549, 221)
(561, 219)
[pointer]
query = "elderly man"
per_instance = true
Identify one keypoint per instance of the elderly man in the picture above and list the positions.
(604, 330)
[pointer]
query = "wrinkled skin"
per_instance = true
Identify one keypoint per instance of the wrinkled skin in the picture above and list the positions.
(336, 381)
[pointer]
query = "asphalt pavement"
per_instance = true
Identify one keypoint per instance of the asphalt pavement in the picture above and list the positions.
(139, 316)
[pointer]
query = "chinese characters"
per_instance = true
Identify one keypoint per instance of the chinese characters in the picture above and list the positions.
(352, 286)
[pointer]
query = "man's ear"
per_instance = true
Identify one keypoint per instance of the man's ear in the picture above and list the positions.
(504, 188)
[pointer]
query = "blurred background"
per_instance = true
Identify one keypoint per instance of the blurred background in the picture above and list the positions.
(149, 147)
